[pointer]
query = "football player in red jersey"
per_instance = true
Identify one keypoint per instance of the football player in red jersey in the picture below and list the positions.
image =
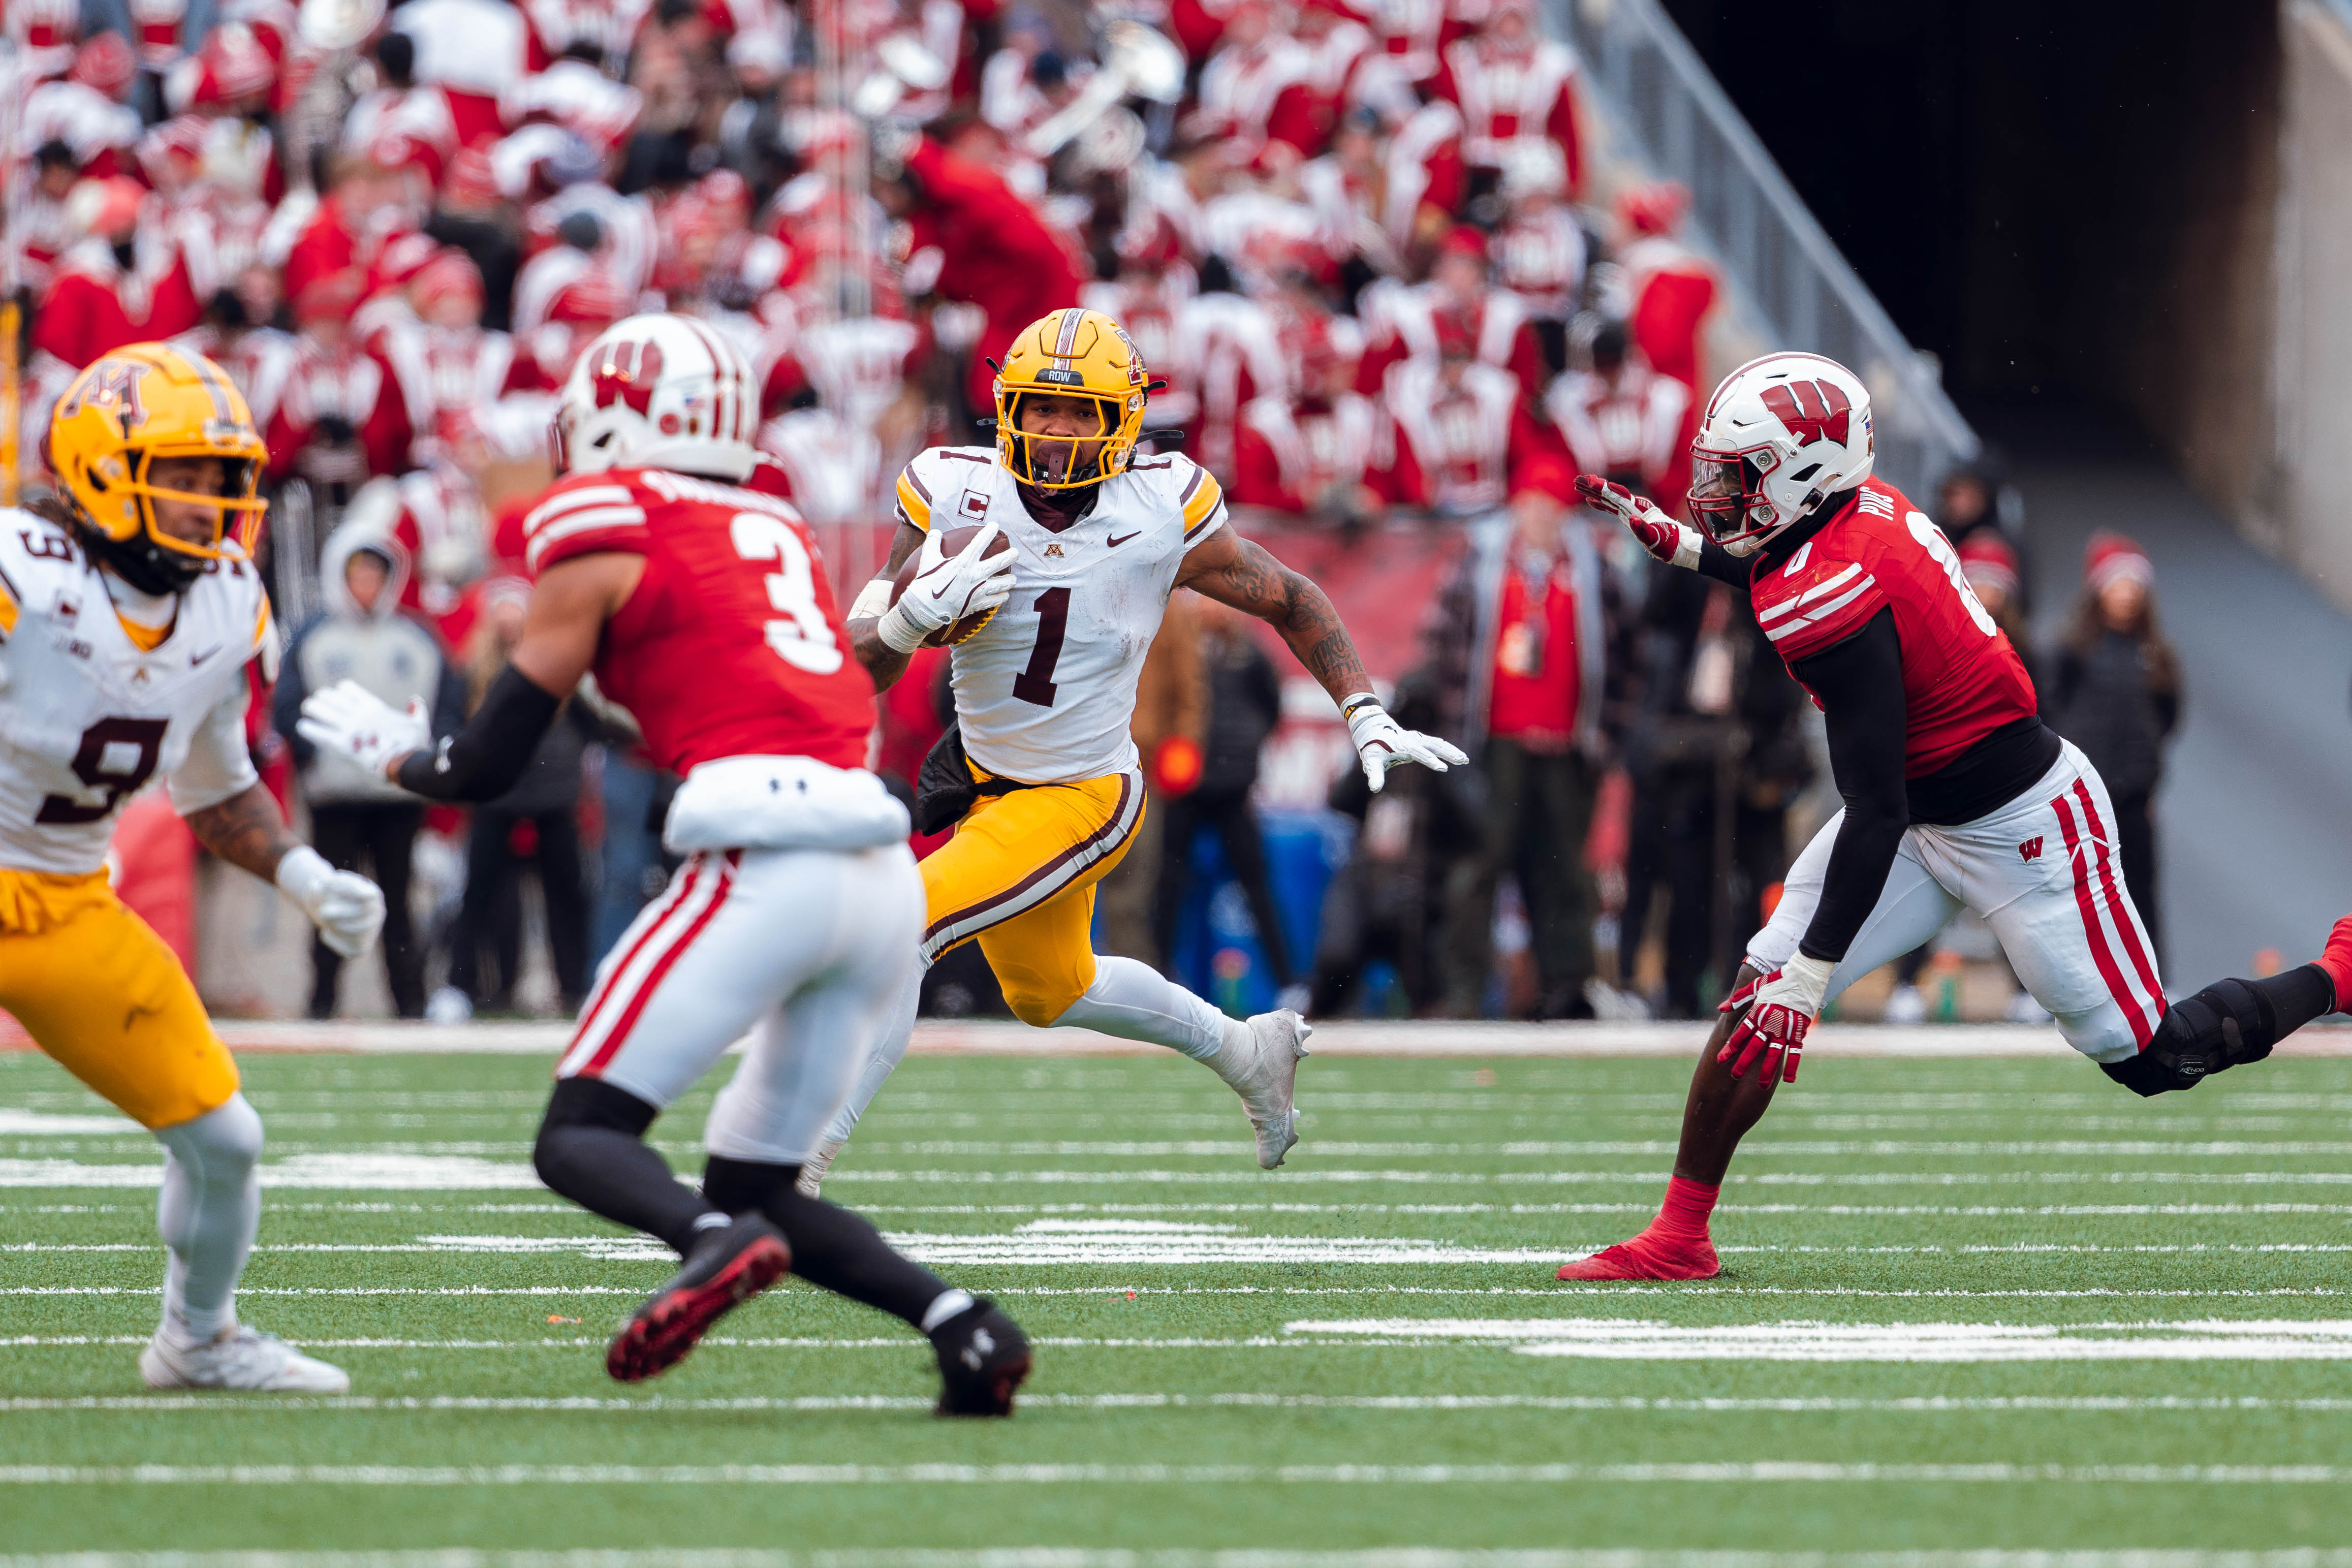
(1956, 794)
(702, 608)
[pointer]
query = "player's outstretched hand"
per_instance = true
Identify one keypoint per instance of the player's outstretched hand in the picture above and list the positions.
(346, 907)
(349, 720)
(947, 588)
(1382, 743)
(1661, 535)
(1781, 1007)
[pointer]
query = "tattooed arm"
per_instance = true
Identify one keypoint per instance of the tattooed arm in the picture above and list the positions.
(247, 831)
(884, 663)
(1235, 571)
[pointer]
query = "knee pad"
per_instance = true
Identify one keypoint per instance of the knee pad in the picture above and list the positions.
(586, 1102)
(2227, 1025)
(230, 1134)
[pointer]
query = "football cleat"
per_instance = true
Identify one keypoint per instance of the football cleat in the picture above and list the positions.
(983, 1356)
(1267, 1079)
(241, 1359)
(727, 1268)
(1647, 1256)
(2335, 959)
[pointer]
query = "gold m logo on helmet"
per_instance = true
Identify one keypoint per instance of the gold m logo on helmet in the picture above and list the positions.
(111, 384)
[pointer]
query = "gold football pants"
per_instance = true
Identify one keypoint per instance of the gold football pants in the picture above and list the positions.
(102, 993)
(1020, 876)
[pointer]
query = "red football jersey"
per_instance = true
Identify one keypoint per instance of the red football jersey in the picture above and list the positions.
(1961, 679)
(730, 645)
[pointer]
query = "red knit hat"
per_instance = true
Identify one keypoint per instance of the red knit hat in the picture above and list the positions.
(2112, 557)
(1465, 240)
(1988, 561)
(452, 273)
(105, 64)
(1656, 207)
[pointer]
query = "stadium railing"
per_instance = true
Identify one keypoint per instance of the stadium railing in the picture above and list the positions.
(1664, 107)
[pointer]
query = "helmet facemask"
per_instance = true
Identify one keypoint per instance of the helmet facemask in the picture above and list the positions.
(148, 556)
(1052, 461)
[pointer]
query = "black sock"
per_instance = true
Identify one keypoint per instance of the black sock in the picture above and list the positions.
(591, 1149)
(832, 1247)
(2296, 997)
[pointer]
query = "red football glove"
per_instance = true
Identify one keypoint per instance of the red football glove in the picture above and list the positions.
(1780, 1008)
(1661, 535)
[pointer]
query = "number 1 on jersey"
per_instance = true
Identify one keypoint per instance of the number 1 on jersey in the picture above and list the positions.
(1036, 684)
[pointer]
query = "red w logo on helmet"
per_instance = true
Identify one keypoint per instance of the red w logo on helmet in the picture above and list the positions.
(1810, 409)
(626, 374)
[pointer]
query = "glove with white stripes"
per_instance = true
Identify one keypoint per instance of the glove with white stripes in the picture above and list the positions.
(1780, 1008)
(947, 588)
(1675, 543)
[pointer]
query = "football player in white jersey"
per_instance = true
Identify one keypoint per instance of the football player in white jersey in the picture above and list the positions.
(130, 606)
(1040, 772)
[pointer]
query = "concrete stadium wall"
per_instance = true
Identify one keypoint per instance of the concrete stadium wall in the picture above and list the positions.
(2303, 511)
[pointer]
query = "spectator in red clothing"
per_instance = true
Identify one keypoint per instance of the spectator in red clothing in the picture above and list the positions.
(1460, 299)
(1672, 289)
(1307, 456)
(369, 204)
(1446, 431)
(342, 418)
(1518, 639)
(1513, 85)
(124, 282)
(999, 254)
(1621, 418)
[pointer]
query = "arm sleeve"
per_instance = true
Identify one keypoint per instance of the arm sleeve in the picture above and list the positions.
(485, 759)
(1859, 683)
(1715, 561)
(218, 766)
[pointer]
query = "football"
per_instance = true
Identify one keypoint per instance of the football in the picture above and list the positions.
(951, 544)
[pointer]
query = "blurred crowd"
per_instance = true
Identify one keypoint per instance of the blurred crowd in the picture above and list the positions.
(1358, 239)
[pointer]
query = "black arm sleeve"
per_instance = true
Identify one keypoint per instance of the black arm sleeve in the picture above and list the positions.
(1860, 684)
(485, 759)
(1715, 561)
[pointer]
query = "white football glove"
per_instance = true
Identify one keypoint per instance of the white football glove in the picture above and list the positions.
(346, 907)
(948, 588)
(349, 720)
(1382, 743)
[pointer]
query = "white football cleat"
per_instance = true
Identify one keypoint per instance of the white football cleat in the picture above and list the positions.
(242, 1359)
(1267, 1079)
(813, 1170)
(1906, 1005)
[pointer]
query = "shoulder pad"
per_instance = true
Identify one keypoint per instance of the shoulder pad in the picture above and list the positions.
(936, 472)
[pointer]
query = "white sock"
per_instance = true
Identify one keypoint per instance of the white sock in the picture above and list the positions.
(1133, 1001)
(889, 1050)
(208, 1213)
(945, 1305)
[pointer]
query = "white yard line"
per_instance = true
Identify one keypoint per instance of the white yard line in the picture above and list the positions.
(1400, 1403)
(1256, 1557)
(1337, 1038)
(1783, 1472)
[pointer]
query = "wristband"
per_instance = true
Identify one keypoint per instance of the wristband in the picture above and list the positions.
(302, 875)
(873, 601)
(899, 634)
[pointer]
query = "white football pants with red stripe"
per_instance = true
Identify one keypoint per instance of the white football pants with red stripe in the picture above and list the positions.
(2044, 874)
(804, 951)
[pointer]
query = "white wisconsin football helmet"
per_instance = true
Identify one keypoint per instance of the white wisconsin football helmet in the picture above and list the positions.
(659, 392)
(1778, 435)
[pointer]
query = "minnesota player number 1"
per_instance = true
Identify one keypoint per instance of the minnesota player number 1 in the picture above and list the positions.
(1036, 684)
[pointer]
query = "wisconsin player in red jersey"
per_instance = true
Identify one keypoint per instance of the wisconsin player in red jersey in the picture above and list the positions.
(702, 608)
(1957, 796)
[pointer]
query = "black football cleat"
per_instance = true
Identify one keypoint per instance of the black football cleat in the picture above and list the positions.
(726, 1268)
(983, 1356)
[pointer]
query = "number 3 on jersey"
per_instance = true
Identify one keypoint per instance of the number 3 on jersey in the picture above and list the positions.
(802, 639)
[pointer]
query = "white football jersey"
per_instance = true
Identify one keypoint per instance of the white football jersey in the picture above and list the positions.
(86, 719)
(1045, 691)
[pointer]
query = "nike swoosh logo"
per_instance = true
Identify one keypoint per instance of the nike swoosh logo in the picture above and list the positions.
(1115, 543)
(197, 658)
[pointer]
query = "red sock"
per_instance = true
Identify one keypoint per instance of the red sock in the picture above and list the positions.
(1684, 1216)
(2337, 962)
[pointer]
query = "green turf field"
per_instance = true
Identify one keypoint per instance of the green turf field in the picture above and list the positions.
(1988, 1305)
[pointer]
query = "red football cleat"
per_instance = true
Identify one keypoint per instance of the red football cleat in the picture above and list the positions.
(2338, 961)
(1648, 1257)
(727, 1269)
